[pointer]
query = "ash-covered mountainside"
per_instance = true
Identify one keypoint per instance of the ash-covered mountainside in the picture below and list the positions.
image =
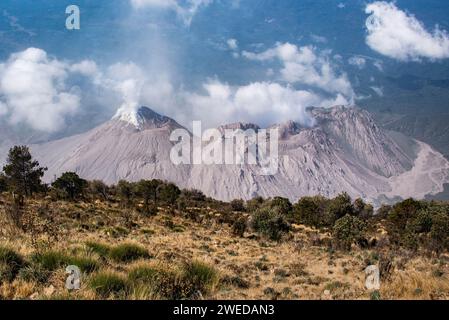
(344, 151)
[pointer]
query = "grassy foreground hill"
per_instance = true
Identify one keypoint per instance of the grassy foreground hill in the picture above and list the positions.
(202, 249)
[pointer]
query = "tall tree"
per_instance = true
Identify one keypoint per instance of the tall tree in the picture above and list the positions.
(71, 184)
(23, 174)
(3, 183)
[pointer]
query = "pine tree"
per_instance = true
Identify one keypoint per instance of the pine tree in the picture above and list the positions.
(23, 174)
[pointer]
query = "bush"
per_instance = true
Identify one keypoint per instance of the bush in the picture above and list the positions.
(52, 260)
(168, 192)
(70, 185)
(239, 227)
(10, 264)
(106, 284)
(237, 205)
(283, 205)
(339, 207)
(270, 223)
(310, 212)
(127, 253)
(3, 183)
(200, 277)
(193, 195)
(348, 230)
(254, 204)
(402, 213)
(363, 210)
(125, 191)
(34, 273)
(439, 232)
(86, 264)
(164, 282)
(99, 189)
(101, 249)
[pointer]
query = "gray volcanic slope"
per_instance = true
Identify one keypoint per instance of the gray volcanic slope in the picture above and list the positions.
(345, 151)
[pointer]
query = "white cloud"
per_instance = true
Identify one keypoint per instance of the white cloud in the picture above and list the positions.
(305, 65)
(232, 44)
(378, 90)
(357, 61)
(401, 36)
(265, 103)
(185, 12)
(318, 39)
(33, 90)
(85, 67)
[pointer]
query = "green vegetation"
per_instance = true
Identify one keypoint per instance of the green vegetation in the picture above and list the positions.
(128, 252)
(10, 264)
(70, 186)
(347, 231)
(22, 174)
(106, 284)
(270, 223)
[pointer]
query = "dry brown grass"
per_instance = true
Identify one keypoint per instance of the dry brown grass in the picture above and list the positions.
(249, 268)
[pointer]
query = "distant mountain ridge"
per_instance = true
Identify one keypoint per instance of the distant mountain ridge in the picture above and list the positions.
(344, 151)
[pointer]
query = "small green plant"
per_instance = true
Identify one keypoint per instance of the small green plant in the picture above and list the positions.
(375, 295)
(128, 252)
(10, 264)
(107, 283)
(50, 260)
(101, 249)
(164, 282)
(201, 276)
(34, 273)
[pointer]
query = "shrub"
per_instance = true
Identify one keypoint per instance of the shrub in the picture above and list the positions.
(308, 212)
(71, 185)
(237, 205)
(10, 264)
(99, 189)
(147, 189)
(254, 204)
(383, 211)
(106, 284)
(164, 282)
(363, 210)
(85, 264)
(439, 232)
(34, 273)
(239, 227)
(168, 192)
(125, 191)
(348, 230)
(283, 205)
(402, 212)
(3, 183)
(52, 260)
(128, 252)
(200, 277)
(270, 223)
(193, 195)
(339, 207)
(101, 249)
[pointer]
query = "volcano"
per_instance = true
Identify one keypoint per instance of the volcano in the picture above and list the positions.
(344, 151)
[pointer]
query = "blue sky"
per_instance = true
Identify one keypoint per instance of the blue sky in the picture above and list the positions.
(220, 61)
